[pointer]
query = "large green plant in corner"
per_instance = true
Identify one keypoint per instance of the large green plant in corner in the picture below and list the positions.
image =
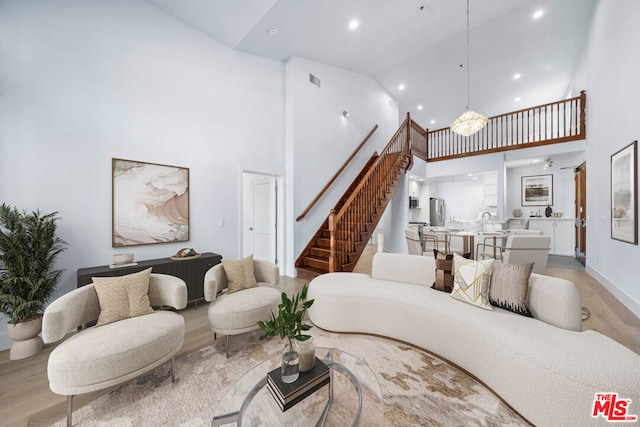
(28, 250)
(288, 324)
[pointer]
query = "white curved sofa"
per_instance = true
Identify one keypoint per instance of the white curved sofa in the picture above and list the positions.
(100, 357)
(544, 367)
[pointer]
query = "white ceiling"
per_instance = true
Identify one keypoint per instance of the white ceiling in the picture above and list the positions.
(397, 42)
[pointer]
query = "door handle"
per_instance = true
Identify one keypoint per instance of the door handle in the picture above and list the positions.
(251, 228)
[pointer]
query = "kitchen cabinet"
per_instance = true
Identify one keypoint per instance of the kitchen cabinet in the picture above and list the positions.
(561, 231)
(490, 195)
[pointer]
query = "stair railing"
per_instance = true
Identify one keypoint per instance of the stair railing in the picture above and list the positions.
(348, 225)
(344, 166)
(552, 123)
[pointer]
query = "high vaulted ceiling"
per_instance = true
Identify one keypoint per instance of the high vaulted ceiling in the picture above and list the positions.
(418, 43)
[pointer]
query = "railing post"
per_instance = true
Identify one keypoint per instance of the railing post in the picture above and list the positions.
(332, 241)
(583, 126)
(426, 143)
(409, 129)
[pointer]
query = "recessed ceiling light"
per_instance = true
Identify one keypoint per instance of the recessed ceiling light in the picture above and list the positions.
(469, 174)
(517, 99)
(353, 24)
(419, 107)
(401, 86)
(538, 14)
(273, 31)
(432, 121)
(516, 76)
(475, 178)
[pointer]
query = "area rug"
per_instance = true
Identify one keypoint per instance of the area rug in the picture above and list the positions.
(418, 389)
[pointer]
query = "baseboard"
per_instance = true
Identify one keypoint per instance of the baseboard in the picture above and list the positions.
(622, 296)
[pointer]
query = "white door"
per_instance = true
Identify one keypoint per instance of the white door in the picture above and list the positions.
(259, 216)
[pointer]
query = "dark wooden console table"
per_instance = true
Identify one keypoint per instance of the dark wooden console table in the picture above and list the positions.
(192, 271)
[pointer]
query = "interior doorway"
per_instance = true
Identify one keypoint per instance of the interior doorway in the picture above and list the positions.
(260, 216)
(580, 177)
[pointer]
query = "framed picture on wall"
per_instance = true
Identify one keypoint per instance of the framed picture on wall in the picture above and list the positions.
(150, 203)
(624, 194)
(537, 190)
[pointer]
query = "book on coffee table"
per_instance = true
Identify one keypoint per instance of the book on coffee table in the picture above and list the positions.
(288, 394)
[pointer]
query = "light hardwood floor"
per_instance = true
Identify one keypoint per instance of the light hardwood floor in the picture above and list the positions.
(25, 398)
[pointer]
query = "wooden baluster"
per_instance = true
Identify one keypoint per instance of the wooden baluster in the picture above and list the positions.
(583, 102)
(332, 241)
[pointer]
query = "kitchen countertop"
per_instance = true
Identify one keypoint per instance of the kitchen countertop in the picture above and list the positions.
(563, 218)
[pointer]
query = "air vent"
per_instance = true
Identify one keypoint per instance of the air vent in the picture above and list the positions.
(315, 80)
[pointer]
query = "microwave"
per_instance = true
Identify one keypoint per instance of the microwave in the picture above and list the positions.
(413, 202)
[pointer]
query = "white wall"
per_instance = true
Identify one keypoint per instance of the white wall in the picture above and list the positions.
(612, 122)
(474, 165)
(563, 190)
(83, 81)
(463, 200)
(319, 140)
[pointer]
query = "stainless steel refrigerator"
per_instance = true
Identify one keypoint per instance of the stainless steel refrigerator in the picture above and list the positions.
(436, 212)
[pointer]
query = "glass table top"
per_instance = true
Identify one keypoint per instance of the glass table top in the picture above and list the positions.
(352, 398)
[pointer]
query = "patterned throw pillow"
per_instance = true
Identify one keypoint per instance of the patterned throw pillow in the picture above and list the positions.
(239, 273)
(510, 287)
(471, 281)
(122, 297)
(444, 271)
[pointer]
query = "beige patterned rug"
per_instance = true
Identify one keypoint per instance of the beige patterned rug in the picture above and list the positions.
(418, 388)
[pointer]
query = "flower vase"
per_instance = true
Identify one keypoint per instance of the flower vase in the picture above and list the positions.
(290, 368)
(307, 355)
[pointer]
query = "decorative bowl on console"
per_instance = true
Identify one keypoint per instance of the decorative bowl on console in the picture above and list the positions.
(125, 258)
(517, 213)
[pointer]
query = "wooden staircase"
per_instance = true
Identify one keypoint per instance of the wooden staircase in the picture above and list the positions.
(343, 236)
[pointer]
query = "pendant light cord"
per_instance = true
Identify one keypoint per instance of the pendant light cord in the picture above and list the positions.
(468, 62)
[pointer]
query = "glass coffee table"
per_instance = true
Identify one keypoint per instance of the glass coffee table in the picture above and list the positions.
(352, 397)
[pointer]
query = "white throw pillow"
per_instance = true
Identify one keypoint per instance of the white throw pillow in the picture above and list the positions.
(471, 281)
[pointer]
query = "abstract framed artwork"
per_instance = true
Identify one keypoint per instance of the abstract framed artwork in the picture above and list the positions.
(624, 194)
(150, 203)
(537, 190)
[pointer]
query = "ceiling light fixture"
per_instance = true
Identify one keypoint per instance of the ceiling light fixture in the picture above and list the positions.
(469, 122)
(516, 76)
(548, 163)
(401, 86)
(433, 121)
(538, 14)
(273, 31)
(419, 107)
(345, 114)
(353, 24)
(517, 99)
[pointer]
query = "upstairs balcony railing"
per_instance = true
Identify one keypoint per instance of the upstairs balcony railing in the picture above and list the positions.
(552, 123)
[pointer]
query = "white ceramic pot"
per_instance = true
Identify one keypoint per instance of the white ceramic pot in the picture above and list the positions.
(26, 341)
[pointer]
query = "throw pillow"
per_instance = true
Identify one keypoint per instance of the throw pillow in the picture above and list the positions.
(471, 281)
(239, 274)
(444, 270)
(510, 287)
(123, 296)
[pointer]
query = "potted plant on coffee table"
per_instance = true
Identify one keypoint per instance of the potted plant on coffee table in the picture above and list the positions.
(289, 326)
(28, 250)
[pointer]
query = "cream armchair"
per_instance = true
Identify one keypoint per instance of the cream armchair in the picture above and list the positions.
(100, 357)
(520, 249)
(239, 312)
